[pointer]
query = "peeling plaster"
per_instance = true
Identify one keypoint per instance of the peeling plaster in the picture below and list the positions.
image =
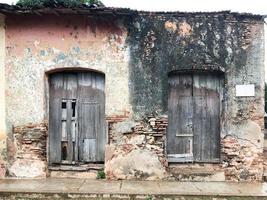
(185, 29)
(35, 48)
(3, 133)
(136, 59)
(170, 26)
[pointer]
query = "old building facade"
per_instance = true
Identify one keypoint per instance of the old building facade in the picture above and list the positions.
(142, 95)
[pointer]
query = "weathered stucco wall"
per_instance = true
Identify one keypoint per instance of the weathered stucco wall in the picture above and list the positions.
(3, 133)
(136, 55)
(233, 44)
(163, 43)
(34, 48)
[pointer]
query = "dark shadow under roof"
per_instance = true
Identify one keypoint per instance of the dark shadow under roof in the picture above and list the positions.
(84, 9)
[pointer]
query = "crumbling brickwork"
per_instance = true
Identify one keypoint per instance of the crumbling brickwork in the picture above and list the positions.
(241, 161)
(144, 141)
(29, 159)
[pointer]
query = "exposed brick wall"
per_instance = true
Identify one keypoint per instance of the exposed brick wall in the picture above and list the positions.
(153, 129)
(241, 159)
(241, 162)
(29, 155)
(141, 142)
(30, 141)
(111, 121)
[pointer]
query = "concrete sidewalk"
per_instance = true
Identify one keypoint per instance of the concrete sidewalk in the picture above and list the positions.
(52, 188)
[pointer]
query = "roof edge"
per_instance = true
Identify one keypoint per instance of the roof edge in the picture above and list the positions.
(7, 9)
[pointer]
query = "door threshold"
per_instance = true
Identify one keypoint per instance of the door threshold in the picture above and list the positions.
(79, 167)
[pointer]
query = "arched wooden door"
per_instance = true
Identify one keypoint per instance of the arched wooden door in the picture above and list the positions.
(194, 117)
(76, 117)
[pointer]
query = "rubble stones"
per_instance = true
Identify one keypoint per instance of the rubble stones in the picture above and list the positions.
(26, 168)
(138, 163)
(141, 154)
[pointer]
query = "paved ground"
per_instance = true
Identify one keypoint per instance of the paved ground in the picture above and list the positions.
(71, 188)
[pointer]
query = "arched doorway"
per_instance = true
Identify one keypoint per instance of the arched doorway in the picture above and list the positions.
(76, 117)
(194, 117)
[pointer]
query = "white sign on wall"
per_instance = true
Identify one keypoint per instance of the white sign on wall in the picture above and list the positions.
(245, 90)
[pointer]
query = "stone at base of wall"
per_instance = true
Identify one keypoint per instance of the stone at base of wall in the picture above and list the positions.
(28, 169)
(3, 156)
(138, 145)
(141, 155)
(2, 169)
(27, 153)
(74, 174)
(196, 172)
(131, 162)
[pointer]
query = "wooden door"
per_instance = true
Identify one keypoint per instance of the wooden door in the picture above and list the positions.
(76, 128)
(180, 129)
(91, 117)
(206, 121)
(194, 118)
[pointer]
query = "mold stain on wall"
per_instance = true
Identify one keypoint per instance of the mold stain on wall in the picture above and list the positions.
(136, 55)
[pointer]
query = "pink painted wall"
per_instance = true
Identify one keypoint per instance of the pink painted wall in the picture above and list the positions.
(57, 32)
(37, 44)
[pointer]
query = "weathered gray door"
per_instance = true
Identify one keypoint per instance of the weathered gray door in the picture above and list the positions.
(194, 118)
(180, 127)
(76, 117)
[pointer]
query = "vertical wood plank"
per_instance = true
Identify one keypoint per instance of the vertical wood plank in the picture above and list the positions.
(70, 93)
(89, 150)
(64, 131)
(184, 133)
(179, 133)
(89, 126)
(206, 117)
(213, 110)
(86, 152)
(185, 115)
(92, 104)
(69, 134)
(88, 121)
(173, 83)
(199, 123)
(55, 114)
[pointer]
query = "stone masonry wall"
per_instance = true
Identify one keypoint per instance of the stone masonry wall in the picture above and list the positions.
(241, 161)
(28, 160)
(136, 149)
